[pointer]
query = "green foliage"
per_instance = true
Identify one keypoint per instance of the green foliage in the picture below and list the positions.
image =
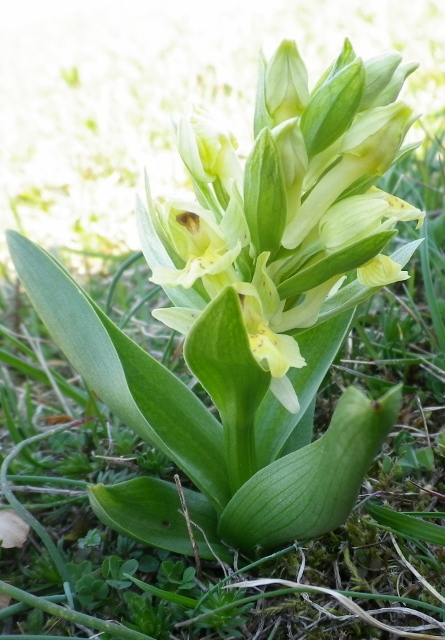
(143, 616)
(114, 570)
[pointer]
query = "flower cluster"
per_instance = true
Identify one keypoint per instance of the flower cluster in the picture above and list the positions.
(301, 216)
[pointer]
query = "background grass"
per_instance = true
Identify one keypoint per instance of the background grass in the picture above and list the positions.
(87, 100)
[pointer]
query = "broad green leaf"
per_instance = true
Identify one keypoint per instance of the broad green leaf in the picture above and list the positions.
(273, 424)
(351, 295)
(337, 263)
(408, 525)
(332, 108)
(143, 393)
(148, 509)
(217, 352)
(261, 118)
(303, 433)
(265, 201)
(311, 491)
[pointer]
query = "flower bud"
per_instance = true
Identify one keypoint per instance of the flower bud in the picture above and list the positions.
(208, 151)
(376, 135)
(286, 89)
(379, 72)
(392, 89)
(332, 107)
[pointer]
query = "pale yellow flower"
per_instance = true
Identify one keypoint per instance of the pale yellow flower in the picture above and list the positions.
(380, 271)
(199, 242)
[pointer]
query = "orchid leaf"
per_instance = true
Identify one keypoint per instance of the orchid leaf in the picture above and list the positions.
(340, 262)
(134, 385)
(303, 433)
(313, 490)
(265, 201)
(217, 352)
(273, 424)
(148, 510)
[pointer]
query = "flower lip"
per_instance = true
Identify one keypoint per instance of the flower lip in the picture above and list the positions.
(189, 220)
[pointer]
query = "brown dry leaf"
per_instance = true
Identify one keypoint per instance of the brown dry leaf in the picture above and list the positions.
(13, 529)
(4, 601)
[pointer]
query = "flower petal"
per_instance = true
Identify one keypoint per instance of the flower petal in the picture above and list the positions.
(274, 352)
(285, 393)
(177, 318)
(381, 271)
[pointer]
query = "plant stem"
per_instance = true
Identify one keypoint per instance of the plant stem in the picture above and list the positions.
(13, 609)
(121, 632)
(240, 447)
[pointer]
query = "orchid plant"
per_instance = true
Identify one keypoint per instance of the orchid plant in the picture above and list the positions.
(263, 270)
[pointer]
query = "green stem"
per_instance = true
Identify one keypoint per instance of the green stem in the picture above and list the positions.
(121, 632)
(239, 437)
(126, 265)
(14, 609)
(46, 480)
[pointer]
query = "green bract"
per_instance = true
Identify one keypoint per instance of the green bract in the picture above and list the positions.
(263, 271)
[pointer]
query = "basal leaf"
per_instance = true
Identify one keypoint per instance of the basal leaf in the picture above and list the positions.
(148, 510)
(138, 389)
(311, 491)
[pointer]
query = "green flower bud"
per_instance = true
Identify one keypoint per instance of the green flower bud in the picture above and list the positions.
(332, 107)
(286, 89)
(376, 136)
(392, 90)
(379, 72)
(208, 151)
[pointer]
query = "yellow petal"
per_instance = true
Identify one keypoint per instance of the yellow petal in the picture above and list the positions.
(275, 353)
(381, 271)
